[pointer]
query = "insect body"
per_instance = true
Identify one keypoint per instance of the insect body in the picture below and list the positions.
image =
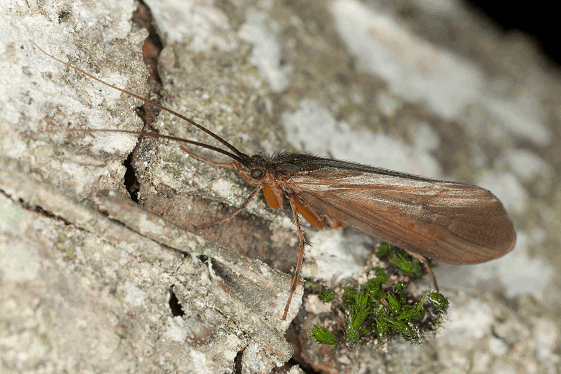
(451, 222)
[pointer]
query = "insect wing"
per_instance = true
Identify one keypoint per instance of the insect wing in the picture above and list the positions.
(451, 222)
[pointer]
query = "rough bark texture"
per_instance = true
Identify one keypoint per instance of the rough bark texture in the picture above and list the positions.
(91, 281)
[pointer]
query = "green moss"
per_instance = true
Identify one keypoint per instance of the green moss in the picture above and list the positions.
(378, 310)
(402, 261)
(324, 336)
(326, 295)
(439, 302)
(383, 250)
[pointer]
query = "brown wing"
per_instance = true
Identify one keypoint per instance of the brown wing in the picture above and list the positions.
(450, 222)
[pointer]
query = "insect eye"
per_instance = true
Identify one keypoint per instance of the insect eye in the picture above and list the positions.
(257, 173)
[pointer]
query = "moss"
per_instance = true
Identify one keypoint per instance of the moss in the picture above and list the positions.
(410, 267)
(326, 295)
(324, 336)
(380, 311)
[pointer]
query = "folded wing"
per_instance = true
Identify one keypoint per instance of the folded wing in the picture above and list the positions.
(451, 222)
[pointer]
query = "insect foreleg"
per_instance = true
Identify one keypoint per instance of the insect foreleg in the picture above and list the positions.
(242, 207)
(303, 242)
(208, 161)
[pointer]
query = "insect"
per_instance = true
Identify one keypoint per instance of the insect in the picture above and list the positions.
(451, 222)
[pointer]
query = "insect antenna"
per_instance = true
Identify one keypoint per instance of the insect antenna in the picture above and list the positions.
(154, 135)
(238, 156)
(235, 155)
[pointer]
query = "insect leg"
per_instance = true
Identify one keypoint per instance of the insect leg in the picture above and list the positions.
(424, 261)
(303, 242)
(242, 207)
(201, 158)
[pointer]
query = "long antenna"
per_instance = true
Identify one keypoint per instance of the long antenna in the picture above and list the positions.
(190, 121)
(154, 135)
